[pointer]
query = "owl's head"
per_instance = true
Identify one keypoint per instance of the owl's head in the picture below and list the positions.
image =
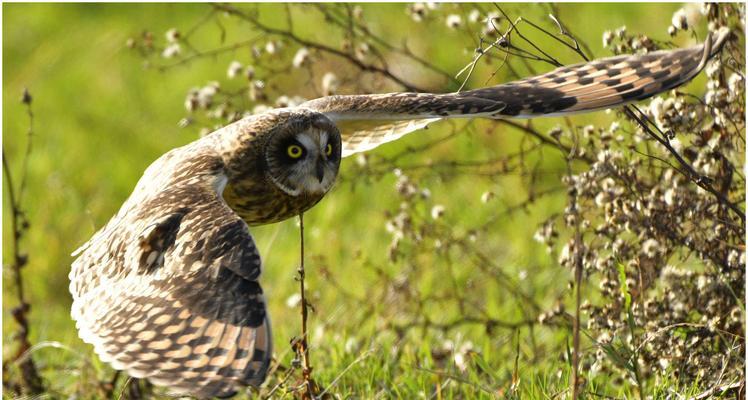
(303, 158)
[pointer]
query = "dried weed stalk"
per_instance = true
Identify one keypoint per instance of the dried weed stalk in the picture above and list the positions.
(30, 382)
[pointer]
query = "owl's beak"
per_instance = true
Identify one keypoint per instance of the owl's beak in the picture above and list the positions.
(320, 171)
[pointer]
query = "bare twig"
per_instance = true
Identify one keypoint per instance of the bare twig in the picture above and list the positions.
(365, 32)
(719, 391)
(301, 345)
(318, 46)
(358, 359)
(31, 380)
(458, 379)
(26, 99)
(578, 268)
(700, 180)
(280, 384)
(124, 388)
(210, 53)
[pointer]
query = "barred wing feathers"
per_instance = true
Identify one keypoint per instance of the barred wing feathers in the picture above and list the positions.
(367, 121)
(168, 289)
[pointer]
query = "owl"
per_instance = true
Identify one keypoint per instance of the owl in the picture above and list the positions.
(168, 289)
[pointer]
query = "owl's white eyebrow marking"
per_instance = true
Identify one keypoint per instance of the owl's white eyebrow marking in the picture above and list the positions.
(306, 141)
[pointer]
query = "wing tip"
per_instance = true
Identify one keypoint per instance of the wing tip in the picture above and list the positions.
(719, 38)
(713, 44)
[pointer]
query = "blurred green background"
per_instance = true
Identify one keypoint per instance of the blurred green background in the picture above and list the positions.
(100, 118)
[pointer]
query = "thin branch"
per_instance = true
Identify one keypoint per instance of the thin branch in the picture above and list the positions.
(363, 30)
(720, 391)
(30, 377)
(578, 269)
(209, 53)
(301, 345)
(318, 46)
(700, 180)
(26, 99)
(546, 141)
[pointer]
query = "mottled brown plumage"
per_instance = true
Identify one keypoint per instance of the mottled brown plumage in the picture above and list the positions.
(167, 289)
(250, 192)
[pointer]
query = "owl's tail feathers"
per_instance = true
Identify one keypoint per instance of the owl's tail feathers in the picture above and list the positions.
(604, 83)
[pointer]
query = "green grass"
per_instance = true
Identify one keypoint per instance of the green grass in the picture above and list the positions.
(100, 119)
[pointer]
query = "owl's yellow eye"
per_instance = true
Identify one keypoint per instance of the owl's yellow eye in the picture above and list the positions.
(295, 151)
(328, 150)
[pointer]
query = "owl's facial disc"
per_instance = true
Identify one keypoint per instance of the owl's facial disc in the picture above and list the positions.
(305, 162)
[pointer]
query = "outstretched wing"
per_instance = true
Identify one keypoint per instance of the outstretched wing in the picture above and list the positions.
(367, 121)
(168, 291)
